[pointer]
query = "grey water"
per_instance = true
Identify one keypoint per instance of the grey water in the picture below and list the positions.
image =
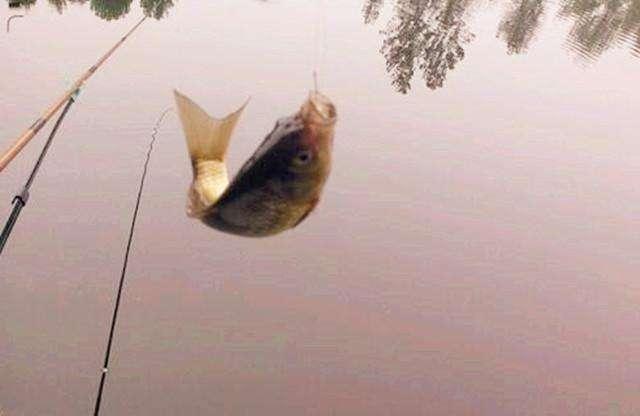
(475, 251)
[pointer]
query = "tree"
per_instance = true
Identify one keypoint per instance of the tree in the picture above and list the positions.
(60, 5)
(428, 35)
(111, 9)
(371, 10)
(520, 24)
(599, 24)
(156, 8)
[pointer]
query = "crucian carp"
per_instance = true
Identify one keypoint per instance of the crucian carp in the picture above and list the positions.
(278, 186)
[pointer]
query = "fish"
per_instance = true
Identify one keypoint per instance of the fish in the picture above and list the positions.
(277, 187)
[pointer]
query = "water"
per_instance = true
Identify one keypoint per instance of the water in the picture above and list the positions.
(474, 253)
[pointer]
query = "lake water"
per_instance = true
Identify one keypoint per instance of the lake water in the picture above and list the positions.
(475, 251)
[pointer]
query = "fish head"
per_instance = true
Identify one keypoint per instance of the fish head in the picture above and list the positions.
(306, 154)
(319, 112)
(282, 181)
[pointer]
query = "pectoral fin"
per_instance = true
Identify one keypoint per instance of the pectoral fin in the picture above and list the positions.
(304, 216)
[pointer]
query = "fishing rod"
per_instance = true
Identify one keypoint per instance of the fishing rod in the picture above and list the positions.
(25, 137)
(125, 263)
(20, 200)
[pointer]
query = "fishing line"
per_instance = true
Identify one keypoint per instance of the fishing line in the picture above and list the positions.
(20, 200)
(315, 81)
(116, 308)
(323, 32)
(320, 41)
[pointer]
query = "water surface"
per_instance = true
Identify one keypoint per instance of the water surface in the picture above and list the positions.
(474, 253)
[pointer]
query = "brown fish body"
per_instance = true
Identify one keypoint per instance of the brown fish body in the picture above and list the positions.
(279, 185)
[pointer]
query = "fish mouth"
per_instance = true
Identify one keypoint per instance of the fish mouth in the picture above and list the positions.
(318, 109)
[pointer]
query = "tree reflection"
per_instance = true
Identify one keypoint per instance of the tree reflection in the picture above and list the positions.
(520, 24)
(156, 8)
(429, 36)
(424, 35)
(111, 9)
(60, 5)
(599, 24)
(371, 10)
(25, 3)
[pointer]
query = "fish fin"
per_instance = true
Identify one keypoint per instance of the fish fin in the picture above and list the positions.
(304, 216)
(207, 141)
(197, 203)
(207, 137)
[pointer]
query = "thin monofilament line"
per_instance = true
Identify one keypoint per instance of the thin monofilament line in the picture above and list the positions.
(315, 81)
(116, 309)
(320, 41)
(323, 32)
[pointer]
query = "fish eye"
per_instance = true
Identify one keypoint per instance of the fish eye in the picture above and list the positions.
(303, 157)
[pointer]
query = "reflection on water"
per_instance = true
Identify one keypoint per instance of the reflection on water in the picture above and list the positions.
(520, 24)
(599, 24)
(111, 9)
(156, 8)
(429, 36)
(371, 10)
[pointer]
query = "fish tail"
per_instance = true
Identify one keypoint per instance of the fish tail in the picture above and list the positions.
(207, 137)
(207, 141)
